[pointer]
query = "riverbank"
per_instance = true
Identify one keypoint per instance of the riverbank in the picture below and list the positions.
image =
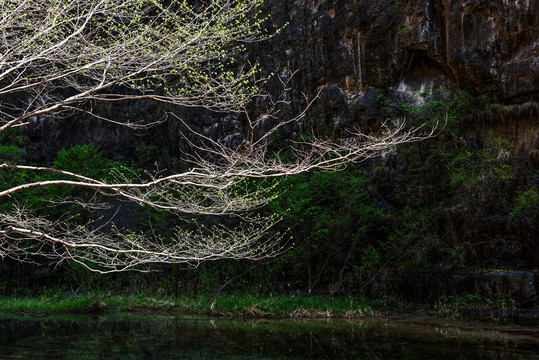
(223, 305)
(247, 306)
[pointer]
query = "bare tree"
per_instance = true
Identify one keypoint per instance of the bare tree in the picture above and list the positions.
(171, 52)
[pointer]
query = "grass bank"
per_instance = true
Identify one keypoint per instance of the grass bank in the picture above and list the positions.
(280, 306)
(223, 305)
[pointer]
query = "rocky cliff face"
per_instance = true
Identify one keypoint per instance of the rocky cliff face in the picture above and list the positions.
(353, 50)
(408, 46)
(356, 50)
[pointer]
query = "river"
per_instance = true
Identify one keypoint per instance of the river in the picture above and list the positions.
(140, 336)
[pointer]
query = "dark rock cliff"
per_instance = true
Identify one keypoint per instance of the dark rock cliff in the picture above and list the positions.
(406, 47)
(353, 50)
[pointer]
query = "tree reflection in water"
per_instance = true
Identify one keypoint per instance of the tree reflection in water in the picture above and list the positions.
(132, 336)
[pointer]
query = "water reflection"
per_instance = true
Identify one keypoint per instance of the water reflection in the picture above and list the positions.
(131, 336)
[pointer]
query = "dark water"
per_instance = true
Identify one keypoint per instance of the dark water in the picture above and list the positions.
(129, 336)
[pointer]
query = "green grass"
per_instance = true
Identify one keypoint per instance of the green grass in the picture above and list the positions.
(45, 304)
(224, 305)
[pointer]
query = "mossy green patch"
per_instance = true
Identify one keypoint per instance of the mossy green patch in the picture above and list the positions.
(225, 305)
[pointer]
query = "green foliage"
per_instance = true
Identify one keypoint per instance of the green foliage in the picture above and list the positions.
(85, 160)
(223, 305)
(483, 178)
(466, 299)
(469, 199)
(14, 140)
(439, 107)
(526, 205)
(475, 167)
(10, 153)
(13, 150)
(333, 223)
(404, 29)
(455, 303)
(319, 203)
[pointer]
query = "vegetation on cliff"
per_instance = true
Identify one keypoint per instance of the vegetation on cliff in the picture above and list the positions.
(467, 198)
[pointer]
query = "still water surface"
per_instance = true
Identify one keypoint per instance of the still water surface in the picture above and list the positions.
(132, 336)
